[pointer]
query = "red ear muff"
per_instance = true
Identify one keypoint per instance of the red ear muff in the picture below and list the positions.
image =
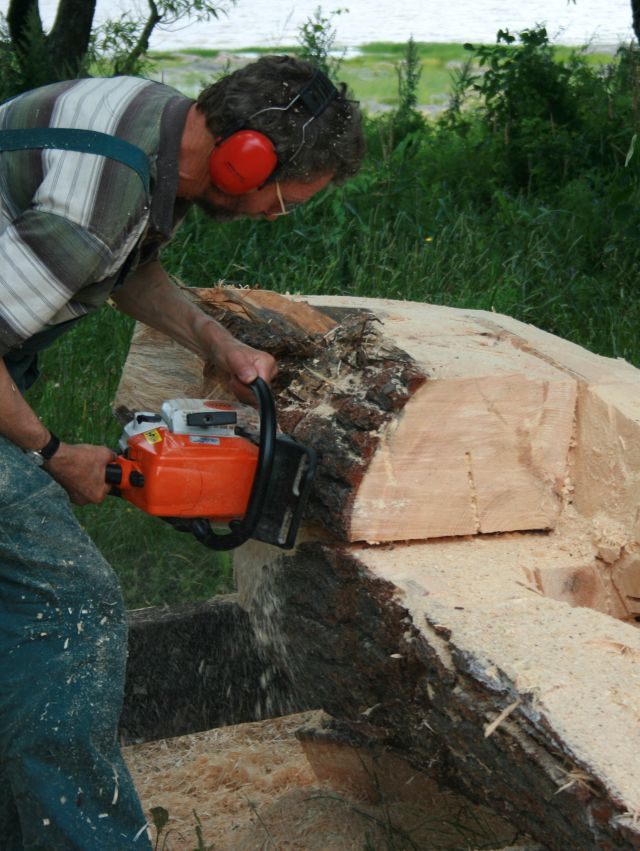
(242, 162)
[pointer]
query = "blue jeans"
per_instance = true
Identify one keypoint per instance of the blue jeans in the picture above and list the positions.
(63, 637)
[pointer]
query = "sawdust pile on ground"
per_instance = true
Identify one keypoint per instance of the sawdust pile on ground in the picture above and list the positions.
(251, 788)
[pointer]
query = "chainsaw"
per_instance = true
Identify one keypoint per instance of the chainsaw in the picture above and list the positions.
(193, 465)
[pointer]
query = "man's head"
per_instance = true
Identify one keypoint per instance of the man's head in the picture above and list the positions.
(262, 97)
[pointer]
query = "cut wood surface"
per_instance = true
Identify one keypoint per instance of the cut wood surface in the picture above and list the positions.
(506, 664)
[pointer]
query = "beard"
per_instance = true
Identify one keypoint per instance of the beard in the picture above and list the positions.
(217, 212)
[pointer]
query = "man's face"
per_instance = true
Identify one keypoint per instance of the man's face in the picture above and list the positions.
(273, 200)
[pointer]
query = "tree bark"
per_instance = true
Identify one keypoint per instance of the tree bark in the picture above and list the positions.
(635, 18)
(21, 16)
(69, 38)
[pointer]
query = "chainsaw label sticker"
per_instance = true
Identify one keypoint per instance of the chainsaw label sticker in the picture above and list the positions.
(212, 441)
(153, 436)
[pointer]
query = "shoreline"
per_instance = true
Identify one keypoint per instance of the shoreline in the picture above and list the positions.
(348, 52)
(371, 74)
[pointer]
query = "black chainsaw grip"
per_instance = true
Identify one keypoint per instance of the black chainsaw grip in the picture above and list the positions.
(242, 530)
(113, 476)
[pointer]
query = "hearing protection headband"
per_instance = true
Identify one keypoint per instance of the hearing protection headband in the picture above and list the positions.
(246, 159)
(316, 95)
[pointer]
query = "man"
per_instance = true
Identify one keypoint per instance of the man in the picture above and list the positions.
(82, 221)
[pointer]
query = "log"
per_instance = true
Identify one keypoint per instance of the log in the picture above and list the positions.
(446, 653)
(467, 591)
(414, 411)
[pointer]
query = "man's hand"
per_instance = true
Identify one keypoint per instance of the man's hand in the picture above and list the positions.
(151, 297)
(238, 365)
(81, 469)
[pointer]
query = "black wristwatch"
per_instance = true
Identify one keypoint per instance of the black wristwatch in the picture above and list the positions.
(40, 456)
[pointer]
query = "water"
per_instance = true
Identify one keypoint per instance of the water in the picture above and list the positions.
(275, 23)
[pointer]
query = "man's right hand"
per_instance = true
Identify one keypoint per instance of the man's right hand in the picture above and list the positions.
(81, 468)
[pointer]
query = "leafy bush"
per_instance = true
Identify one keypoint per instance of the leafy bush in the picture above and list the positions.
(549, 120)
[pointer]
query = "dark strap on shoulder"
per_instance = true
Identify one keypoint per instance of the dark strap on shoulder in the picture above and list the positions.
(82, 141)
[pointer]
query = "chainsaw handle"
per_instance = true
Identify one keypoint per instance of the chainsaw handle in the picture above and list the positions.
(113, 474)
(124, 473)
(241, 530)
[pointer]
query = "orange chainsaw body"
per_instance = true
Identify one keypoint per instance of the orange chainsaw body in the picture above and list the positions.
(196, 464)
(172, 474)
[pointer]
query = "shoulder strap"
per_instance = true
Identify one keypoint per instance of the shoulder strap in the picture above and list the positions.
(82, 141)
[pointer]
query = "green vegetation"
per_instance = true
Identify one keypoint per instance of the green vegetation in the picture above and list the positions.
(371, 73)
(522, 197)
(75, 47)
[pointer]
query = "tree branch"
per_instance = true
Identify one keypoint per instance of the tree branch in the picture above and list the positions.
(128, 62)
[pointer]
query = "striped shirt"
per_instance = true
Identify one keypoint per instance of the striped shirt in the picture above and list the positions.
(69, 222)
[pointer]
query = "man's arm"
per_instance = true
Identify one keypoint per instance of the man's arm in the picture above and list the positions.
(150, 296)
(79, 468)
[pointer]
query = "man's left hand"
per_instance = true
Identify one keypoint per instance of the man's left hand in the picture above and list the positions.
(238, 365)
(150, 296)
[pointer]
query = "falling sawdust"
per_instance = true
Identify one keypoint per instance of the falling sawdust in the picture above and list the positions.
(251, 788)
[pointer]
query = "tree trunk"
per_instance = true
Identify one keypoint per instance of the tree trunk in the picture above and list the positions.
(635, 17)
(23, 16)
(60, 54)
(69, 38)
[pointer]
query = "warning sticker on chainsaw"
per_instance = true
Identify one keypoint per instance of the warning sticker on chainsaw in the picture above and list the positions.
(212, 441)
(153, 436)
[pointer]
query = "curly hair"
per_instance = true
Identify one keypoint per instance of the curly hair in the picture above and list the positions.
(333, 142)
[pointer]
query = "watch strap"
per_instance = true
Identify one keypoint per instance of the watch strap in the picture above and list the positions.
(50, 448)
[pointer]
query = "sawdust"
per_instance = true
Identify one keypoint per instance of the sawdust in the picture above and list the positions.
(251, 787)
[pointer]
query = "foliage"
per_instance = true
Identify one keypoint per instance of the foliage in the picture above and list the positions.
(317, 41)
(159, 819)
(548, 120)
(30, 57)
(444, 216)
(407, 118)
(121, 45)
(409, 72)
(10, 75)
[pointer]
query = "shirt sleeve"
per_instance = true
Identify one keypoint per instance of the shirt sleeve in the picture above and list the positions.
(44, 260)
(84, 219)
